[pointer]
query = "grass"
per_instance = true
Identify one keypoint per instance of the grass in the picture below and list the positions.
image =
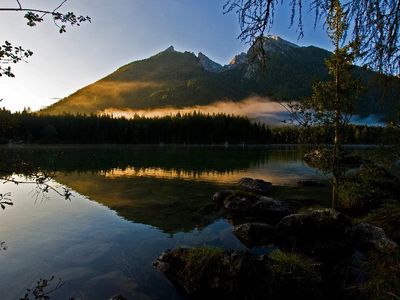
(384, 277)
(200, 265)
(294, 274)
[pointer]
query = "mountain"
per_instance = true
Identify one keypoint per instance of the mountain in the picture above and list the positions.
(183, 79)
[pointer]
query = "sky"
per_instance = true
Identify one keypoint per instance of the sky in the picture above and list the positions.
(121, 31)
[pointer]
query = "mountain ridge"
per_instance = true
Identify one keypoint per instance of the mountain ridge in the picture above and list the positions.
(183, 79)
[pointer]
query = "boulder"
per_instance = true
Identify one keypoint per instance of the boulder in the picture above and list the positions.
(322, 234)
(210, 273)
(256, 206)
(205, 272)
(255, 234)
(257, 186)
(220, 196)
(369, 238)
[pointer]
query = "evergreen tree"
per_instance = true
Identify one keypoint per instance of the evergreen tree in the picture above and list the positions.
(332, 102)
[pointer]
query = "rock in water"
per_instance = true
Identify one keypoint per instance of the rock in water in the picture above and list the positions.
(257, 186)
(257, 206)
(255, 234)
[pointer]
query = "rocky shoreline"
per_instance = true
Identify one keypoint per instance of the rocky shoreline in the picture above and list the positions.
(312, 254)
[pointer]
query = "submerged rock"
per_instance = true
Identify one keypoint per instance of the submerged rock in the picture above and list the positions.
(255, 234)
(370, 238)
(257, 186)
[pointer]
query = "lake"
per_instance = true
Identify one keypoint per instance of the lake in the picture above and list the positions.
(129, 204)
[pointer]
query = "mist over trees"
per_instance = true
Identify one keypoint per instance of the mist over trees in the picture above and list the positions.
(189, 128)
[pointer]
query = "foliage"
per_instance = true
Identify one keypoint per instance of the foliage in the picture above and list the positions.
(332, 101)
(191, 128)
(369, 187)
(10, 54)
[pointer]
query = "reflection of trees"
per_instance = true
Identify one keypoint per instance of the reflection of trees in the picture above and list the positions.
(187, 159)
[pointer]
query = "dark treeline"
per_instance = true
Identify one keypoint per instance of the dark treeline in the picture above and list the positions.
(193, 128)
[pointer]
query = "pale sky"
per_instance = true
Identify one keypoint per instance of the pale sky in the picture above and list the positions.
(121, 31)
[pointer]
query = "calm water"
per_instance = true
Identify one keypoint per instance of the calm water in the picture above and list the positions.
(129, 205)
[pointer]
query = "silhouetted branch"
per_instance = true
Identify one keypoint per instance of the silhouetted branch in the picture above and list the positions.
(10, 54)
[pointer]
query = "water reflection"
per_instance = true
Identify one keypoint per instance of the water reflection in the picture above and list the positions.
(130, 204)
(169, 188)
(191, 159)
(170, 205)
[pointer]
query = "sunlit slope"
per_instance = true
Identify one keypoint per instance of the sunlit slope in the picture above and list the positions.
(182, 79)
(166, 79)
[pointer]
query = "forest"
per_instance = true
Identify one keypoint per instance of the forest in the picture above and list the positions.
(189, 128)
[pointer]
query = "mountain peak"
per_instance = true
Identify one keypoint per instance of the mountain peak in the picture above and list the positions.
(169, 49)
(275, 39)
(273, 44)
(208, 64)
(238, 59)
